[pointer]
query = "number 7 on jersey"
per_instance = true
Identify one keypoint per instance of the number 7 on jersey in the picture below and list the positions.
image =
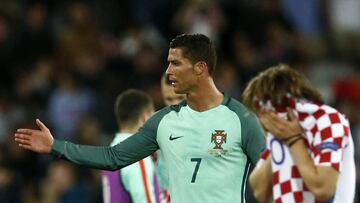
(198, 161)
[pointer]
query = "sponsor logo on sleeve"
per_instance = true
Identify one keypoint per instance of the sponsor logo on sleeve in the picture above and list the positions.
(328, 145)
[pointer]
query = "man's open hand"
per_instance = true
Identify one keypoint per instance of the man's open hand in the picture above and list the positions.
(40, 141)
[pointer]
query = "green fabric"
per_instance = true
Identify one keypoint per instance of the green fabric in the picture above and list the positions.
(207, 153)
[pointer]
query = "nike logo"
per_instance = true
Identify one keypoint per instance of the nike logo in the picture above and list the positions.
(171, 138)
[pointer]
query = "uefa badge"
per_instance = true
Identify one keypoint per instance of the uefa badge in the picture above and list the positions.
(218, 138)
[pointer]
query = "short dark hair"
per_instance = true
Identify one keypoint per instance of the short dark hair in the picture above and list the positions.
(196, 47)
(129, 106)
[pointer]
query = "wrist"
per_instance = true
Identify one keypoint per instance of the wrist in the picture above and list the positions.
(291, 137)
(50, 146)
(293, 141)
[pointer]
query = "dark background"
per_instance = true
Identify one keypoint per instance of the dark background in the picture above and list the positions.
(65, 62)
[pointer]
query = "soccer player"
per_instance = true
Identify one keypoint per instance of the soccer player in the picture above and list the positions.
(208, 140)
(309, 154)
(134, 183)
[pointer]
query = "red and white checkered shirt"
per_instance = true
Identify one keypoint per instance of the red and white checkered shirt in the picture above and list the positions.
(328, 138)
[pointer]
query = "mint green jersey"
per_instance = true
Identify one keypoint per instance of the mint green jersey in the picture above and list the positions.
(207, 154)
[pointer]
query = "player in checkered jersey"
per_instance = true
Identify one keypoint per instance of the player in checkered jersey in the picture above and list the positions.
(309, 154)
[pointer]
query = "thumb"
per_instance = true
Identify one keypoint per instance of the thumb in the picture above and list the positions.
(291, 114)
(41, 125)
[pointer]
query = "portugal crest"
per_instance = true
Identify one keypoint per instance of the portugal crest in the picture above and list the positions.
(219, 138)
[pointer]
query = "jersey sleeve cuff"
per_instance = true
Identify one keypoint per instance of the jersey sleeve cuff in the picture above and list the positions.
(58, 148)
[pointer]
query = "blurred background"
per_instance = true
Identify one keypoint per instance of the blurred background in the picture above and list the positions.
(66, 61)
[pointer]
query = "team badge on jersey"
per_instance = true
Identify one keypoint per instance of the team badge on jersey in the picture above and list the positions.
(219, 138)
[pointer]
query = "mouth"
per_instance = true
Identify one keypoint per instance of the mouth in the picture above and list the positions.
(172, 82)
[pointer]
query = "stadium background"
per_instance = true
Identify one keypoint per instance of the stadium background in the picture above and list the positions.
(66, 61)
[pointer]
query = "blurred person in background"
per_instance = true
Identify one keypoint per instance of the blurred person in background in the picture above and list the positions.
(36, 36)
(135, 183)
(200, 138)
(227, 78)
(200, 16)
(69, 102)
(309, 155)
(61, 185)
(10, 184)
(78, 46)
(90, 132)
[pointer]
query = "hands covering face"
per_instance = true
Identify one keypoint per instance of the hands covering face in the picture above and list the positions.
(281, 128)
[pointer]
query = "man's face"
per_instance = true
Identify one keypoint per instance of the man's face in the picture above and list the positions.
(180, 71)
(169, 96)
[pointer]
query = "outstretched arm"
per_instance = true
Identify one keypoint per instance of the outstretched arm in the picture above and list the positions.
(135, 148)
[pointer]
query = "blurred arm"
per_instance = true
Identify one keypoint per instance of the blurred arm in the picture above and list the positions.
(261, 181)
(321, 180)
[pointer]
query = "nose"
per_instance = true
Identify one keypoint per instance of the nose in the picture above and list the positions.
(168, 69)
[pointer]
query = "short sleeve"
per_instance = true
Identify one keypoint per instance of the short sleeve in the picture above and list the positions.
(330, 139)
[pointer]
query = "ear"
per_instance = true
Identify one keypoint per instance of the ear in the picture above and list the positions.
(143, 117)
(200, 68)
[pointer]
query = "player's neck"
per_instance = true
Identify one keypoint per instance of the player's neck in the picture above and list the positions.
(205, 97)
(130, 130)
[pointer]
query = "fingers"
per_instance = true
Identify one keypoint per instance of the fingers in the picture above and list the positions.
(291, 114)
(264, 121)
(25, 131)
(25, 146)
(269, 118)
(31, 131)
(274, 117)
(23, 141)
(22, 136)
(273, 123)
(41, 125)
(281, 128)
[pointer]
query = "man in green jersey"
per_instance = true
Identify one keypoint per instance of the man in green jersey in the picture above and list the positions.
(208, 141)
